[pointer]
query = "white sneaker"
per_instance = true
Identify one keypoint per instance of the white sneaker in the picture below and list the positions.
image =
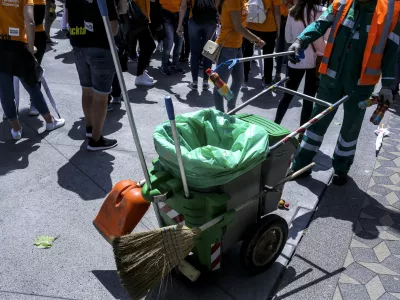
(33, 112)
(143, 80)
(244, 85)
(116, 100)
(148, 76)
(57, 123)
(16, 135)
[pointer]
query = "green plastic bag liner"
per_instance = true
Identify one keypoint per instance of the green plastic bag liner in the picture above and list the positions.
(216, 147)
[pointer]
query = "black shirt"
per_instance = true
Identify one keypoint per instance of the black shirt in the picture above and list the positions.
(86, 24)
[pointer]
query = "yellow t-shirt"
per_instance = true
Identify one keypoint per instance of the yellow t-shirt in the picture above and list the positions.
(269, 25)
(144, 6)
(228, 36)
(171, 5)
(284, 10)
(12, 26)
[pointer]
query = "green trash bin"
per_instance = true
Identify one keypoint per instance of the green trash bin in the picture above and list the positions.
(216, 147)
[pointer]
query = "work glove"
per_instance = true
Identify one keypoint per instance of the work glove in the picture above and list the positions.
(386, 95)
(296, 47)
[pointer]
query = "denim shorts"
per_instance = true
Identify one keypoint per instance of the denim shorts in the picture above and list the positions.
(95, 67)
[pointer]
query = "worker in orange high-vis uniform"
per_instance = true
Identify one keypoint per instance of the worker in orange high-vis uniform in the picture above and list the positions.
(361, 49)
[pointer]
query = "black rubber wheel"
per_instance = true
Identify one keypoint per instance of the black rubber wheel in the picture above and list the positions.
(263, 244)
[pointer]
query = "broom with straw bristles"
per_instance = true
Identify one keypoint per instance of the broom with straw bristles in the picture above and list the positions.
(144, 259)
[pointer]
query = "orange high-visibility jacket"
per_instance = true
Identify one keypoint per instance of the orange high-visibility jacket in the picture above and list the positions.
(383, 22)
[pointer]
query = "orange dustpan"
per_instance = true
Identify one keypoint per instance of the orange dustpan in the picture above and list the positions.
(122, 210)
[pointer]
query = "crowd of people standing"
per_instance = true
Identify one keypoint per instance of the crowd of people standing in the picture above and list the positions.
(179, 29)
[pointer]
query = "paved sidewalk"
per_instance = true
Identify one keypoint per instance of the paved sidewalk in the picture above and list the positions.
(373, 260)
(351, 249)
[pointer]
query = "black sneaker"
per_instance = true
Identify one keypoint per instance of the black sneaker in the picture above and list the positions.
(339, 178)
(89, 130)
(176, 69)
(101, 144)
(165, 71)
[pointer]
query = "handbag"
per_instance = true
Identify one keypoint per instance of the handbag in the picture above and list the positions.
(137, 20)
(212, 50)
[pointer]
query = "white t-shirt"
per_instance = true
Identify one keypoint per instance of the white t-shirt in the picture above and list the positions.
(294, 29)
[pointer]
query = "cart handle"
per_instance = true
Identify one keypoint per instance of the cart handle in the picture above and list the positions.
(272, 55)
(295, 93)
(256, 197)
(309, 123)
(233, 111)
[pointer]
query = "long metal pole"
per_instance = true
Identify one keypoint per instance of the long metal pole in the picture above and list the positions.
(309, 123)
(295, 93)
(257, 96)
(240, 60)
(104, 12)
(171, 116)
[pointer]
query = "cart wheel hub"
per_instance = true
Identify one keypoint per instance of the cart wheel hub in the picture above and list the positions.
(267, 246)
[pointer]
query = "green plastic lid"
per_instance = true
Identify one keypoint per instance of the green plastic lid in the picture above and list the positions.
(275, 131)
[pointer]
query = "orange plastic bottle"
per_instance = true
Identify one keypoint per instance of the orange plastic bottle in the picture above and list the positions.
(121, 211)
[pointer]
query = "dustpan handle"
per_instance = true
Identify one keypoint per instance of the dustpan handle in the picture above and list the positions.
(104, 13)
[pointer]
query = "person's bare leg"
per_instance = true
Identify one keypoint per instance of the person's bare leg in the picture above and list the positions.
(87, 105)
(99, 113)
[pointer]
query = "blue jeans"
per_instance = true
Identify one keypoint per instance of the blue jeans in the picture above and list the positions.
(95, 68)
(237, 73)
(199, 34)
(171, 38)
(7, 96)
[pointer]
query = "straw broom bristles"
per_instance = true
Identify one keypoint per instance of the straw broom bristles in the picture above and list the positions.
(144, 259)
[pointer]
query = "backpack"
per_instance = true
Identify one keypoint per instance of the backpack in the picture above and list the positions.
(204, 11)
(256, 12)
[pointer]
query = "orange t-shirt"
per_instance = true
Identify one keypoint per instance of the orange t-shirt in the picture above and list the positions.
(144, 6)
(171, 5)
(284, 10)
(228, 36)
(269, 25)
(12, 25)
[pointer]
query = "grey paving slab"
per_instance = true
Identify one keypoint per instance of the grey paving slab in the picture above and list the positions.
(364, 255)
(390, 283)
(353, 292)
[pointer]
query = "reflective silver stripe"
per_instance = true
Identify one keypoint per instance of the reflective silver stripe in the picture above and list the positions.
(356, 35)
(328, 17)
(370, 71)
(309, 147)
(331, 73)
(345, 144)
(313, 136)
(394, 37)
(386, 27)
(339, 13)
(388, 78)
(344, 153)
(348, 23)
(325, 60)
(368, 28)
